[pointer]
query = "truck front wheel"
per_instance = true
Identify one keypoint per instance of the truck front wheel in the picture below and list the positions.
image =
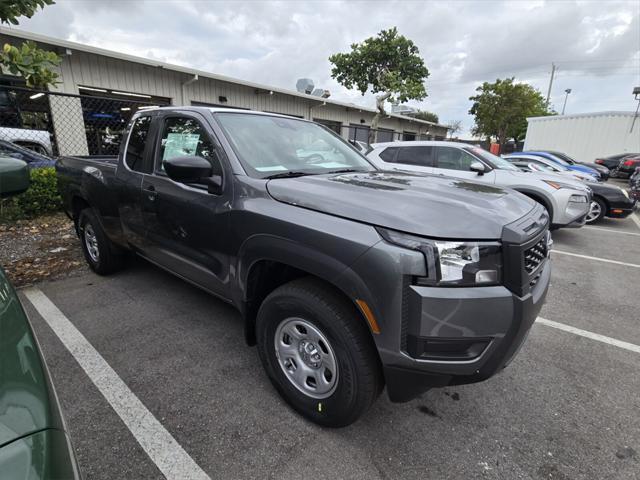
(318, 352)
(99, 252)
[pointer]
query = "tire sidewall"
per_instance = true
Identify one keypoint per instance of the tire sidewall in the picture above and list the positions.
(333, 410)
(87, 217)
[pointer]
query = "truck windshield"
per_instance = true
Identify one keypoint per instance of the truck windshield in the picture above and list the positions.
(268, 146)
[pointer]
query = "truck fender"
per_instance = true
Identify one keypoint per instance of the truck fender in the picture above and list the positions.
(296, 255)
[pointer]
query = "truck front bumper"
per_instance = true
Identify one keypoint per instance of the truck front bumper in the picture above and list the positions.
(455, 336)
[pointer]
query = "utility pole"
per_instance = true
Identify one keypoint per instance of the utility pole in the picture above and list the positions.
(553, 71)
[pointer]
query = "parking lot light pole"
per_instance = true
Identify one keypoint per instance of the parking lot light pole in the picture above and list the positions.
(567, 92)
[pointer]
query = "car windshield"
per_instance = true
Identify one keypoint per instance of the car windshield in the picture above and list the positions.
(493, 160)
(563, 156)
(554, 159)
(268, 146)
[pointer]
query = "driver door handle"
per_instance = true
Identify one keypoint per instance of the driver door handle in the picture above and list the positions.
(151, 192)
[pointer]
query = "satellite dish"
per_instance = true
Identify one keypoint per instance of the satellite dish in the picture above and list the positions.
(321, 92)
(304, 85)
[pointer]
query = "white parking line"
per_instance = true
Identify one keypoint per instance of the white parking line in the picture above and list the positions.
(162, 448)
(606, 260)
(635, 218)
(611, 230)
(587, 334)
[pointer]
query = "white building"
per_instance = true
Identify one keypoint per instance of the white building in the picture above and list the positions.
(585, 136)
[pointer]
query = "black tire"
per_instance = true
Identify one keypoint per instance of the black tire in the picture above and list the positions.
(603, 211)
(109, 258)
(359, 377)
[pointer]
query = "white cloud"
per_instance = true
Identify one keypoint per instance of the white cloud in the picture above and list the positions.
(596, 45)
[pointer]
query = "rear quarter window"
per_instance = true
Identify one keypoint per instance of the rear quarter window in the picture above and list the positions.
(389, 154)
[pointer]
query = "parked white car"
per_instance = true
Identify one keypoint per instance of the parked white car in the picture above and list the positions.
(566, 199)
(37, 140)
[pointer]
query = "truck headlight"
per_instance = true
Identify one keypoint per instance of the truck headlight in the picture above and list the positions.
(453, 263)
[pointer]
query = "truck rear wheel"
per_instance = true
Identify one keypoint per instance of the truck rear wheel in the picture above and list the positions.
(318, 353)
(100, 253)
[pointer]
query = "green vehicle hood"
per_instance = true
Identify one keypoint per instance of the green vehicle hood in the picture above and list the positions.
(45, 455)
(27, 401)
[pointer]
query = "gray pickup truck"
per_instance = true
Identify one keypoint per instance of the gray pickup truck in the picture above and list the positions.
(348, 278)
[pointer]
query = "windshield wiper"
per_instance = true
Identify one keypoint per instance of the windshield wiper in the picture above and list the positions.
(289, 174)
(345, 170)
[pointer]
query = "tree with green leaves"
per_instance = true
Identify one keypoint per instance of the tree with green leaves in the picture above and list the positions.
(501, 109)
(389, 65)
(28, 61)
(427, 116)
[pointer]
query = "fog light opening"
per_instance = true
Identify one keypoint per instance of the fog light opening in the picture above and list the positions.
(486, 276)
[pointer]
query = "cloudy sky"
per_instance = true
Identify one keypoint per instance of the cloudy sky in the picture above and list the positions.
(595, 44)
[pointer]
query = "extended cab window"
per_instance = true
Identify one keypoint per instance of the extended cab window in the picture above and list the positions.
(453, 158)
(184, 136)
(420, 156)
(134, 157)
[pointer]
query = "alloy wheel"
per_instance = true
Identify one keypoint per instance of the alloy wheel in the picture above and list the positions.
(594, 211)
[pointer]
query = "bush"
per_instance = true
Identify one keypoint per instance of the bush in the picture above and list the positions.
(42, 197)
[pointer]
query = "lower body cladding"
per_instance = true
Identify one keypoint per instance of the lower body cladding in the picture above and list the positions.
(453, 336)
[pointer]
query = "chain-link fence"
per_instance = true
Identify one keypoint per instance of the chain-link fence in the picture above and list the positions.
(52, 124)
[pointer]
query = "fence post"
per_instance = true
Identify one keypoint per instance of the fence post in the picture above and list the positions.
(68, 125)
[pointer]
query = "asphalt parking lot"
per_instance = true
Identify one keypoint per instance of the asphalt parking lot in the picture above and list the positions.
(566, 408)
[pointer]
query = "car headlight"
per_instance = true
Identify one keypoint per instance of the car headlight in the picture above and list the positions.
(624, 192)
(578, 199)
(452, 263)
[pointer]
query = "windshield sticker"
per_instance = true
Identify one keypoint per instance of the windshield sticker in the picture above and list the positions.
(272, 168)
(180, 145)
(331, 165)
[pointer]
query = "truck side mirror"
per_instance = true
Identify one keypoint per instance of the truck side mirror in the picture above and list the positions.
(193, 169)
(14, 177)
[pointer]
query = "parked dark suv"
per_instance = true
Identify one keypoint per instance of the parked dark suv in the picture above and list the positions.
(348, 278)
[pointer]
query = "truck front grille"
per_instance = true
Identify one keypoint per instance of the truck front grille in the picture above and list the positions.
(534, 256)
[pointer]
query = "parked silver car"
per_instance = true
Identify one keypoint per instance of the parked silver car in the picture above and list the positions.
(567, 201)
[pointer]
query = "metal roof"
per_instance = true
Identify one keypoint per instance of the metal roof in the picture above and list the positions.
(36, 37)
(583, 115)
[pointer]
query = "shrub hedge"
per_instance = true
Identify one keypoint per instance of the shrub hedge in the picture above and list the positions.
(41, 197)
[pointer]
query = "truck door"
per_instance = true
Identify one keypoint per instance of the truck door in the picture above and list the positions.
(188, 227)
(136, 163)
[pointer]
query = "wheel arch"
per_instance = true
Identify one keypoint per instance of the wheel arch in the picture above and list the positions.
(604, 200)
(267, 262)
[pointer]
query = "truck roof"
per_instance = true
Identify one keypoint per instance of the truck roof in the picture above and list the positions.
(218, 110)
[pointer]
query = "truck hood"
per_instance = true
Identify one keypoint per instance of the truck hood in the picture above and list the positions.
(428, 205)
